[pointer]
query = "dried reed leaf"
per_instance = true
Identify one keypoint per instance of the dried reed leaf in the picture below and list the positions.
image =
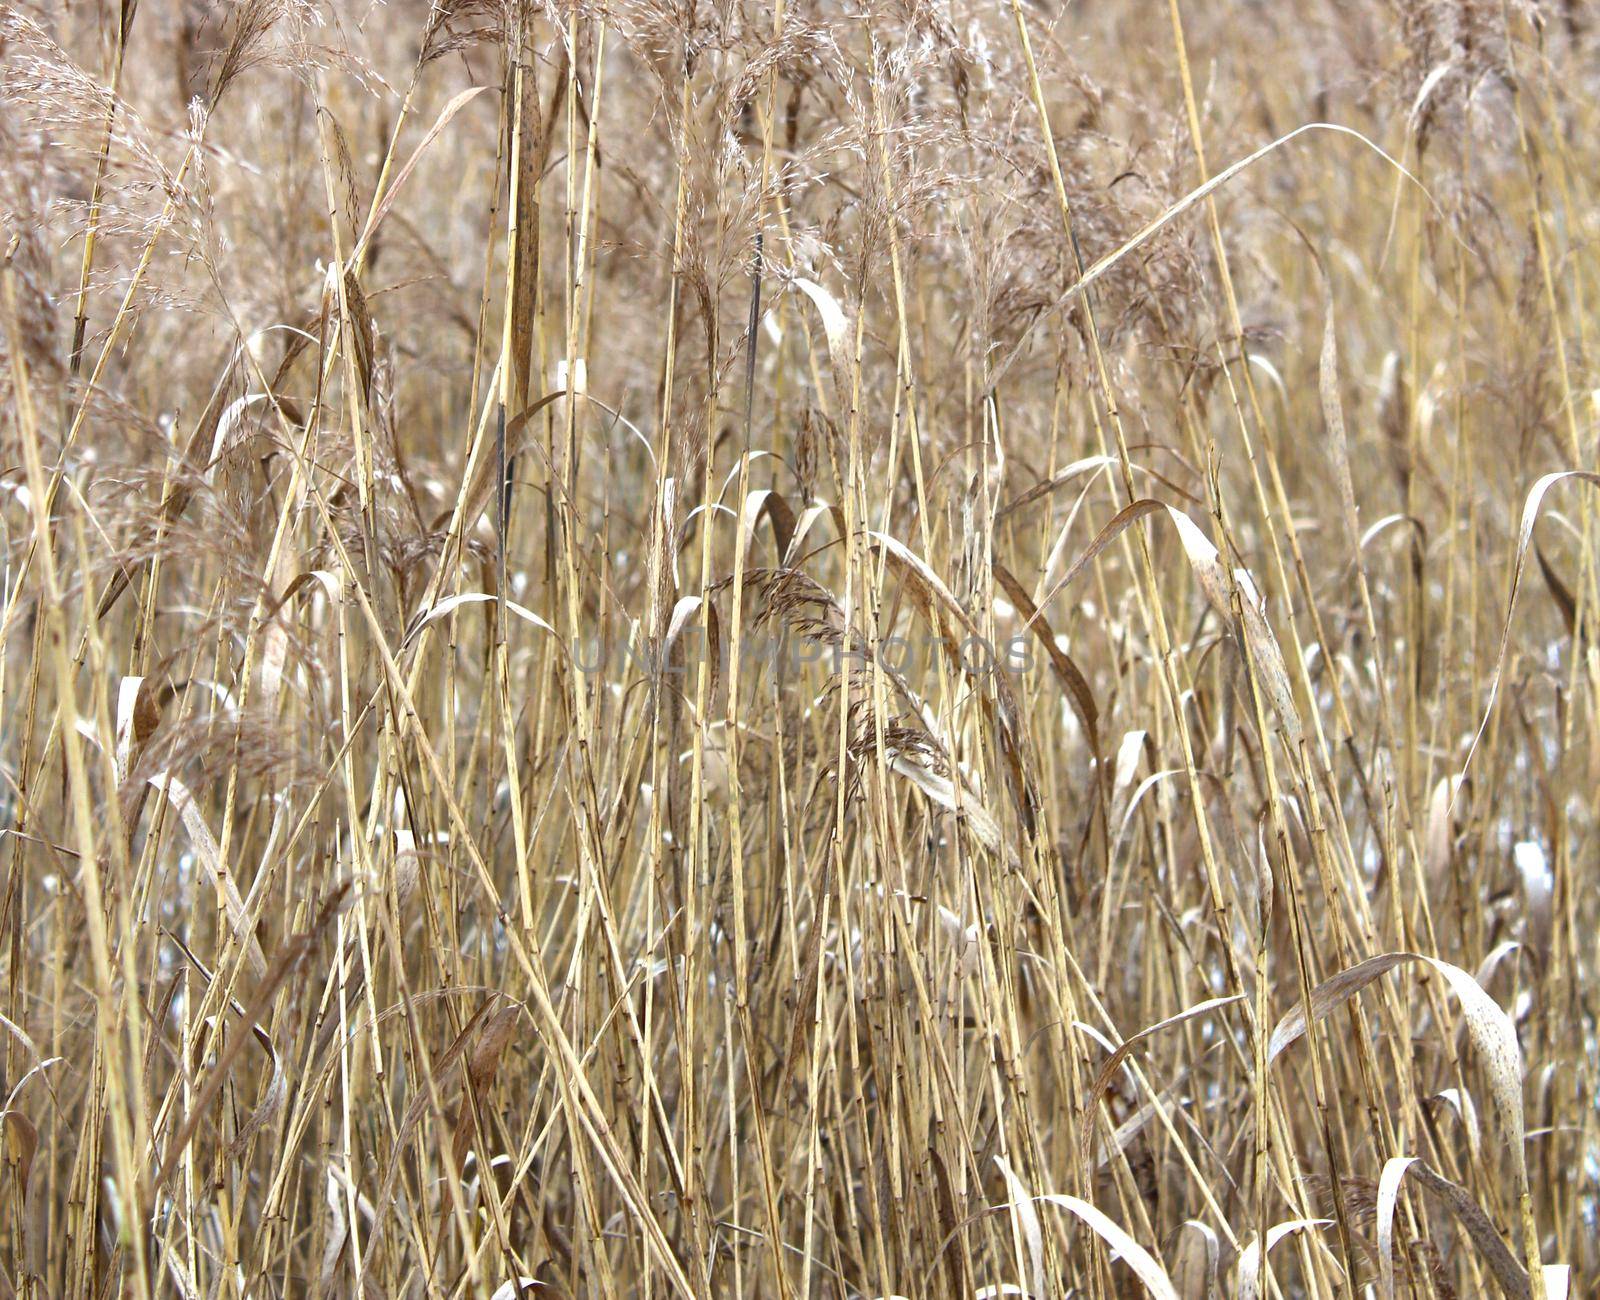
(1194, 1276)
(1074, 685)
(1394, 1169)
(452, 603)
(1251, 1257)
(1110, 1068)
(1530, 516)
(386, 203)
(482, 1066)
(1491, 1030)
(1511, 1276)
(835, 324)
(210, 859)
(1122, 1246)
(1333, 419)
(1025, 1224)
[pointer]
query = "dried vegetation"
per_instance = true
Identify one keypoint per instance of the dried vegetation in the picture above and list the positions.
(910, 649)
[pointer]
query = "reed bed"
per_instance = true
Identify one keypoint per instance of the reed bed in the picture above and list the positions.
(886, 650)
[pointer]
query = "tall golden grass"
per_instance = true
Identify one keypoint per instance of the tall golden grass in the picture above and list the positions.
(880, 650)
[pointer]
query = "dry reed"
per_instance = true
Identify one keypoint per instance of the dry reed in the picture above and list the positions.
(802, 650)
